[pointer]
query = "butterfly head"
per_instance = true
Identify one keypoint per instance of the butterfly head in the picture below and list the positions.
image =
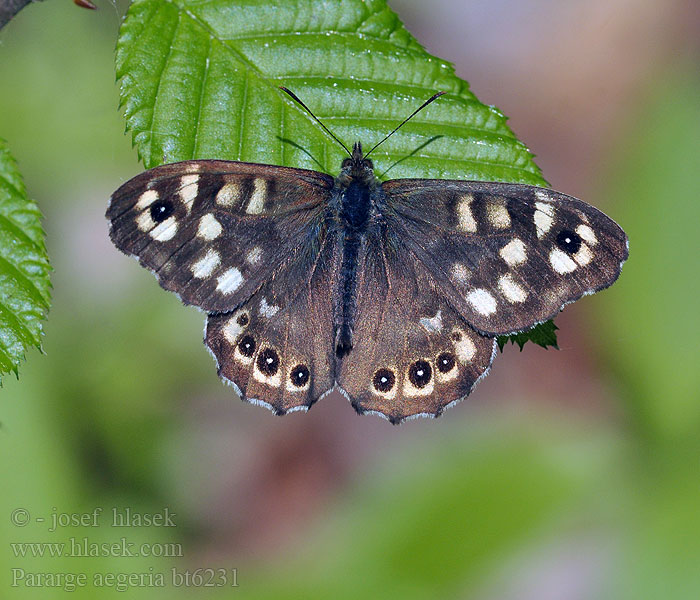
(356, 167)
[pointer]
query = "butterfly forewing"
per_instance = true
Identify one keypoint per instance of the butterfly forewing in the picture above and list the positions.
(215, 231)
(508, 256)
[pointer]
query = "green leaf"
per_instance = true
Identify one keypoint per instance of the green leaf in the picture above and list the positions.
(201, 80)
(24, 268)
(542, 334)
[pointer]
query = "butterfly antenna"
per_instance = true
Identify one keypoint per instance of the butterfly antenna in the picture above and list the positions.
(400, 125)
(296, 99)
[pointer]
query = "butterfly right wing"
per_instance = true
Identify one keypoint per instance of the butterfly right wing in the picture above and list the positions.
(448, 265)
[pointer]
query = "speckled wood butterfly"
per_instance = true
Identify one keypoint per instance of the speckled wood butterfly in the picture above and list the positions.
(391, 292)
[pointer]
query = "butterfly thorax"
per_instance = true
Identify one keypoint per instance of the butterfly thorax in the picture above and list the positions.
(355, 187)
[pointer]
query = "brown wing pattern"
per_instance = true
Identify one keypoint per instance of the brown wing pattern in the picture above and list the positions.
(250, 245)
(277, 349)
(509, 256)
(214, 231)
(443, 267)
(413, 354)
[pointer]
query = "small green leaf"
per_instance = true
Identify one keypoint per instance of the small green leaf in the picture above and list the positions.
(201, 80)
(24, 268)
(542, 334)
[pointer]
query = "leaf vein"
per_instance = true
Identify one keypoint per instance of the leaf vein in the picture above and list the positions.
(18, 232)
(18, 326)
(26, 281)
(201, 99)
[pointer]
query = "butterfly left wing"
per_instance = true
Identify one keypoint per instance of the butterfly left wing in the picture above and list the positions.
(508, 256)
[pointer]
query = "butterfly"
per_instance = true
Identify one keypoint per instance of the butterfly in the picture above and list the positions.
(391, 292)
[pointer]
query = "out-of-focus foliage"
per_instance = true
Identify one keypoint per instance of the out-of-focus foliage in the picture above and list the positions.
(654, 181)
(124, 409)
(24, 268)
(656, 322)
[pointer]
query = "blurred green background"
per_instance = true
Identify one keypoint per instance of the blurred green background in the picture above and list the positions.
(572, 474)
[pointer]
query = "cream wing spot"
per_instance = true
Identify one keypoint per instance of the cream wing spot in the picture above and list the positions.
(544, 218)
(229, 194)
(164, 231)
(268, 310)
(229, 281)
(561, 262)
(482, 301)
(268, 368)
(205, 266)
(235, 326)
(587, 234)
(144, 221)
(449, 376)
(274, 381)
(412, 391)
(209, 228)
(464, 214)
(465, 349)
(584, 255)
(257, 198)
(253, 257)
(146, 199)
(445, 377)
(432, 324)
(543, 196)
(460, 272)
(189, 188)
(513, 253)
(290, 387)
(497, 214)
(510, 289)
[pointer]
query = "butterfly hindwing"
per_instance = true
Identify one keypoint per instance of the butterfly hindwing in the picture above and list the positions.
(509, 256)
(277, 348)
(214, 231)
(413, 354)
